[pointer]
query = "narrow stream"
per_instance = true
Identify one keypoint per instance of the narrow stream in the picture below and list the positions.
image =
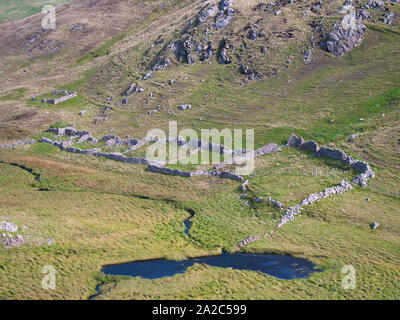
(36, 175)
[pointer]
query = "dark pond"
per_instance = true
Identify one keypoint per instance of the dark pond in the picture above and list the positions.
(282, 267)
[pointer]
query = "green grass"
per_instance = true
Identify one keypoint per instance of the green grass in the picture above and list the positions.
(102, 212)
(60, 124)
(17, 9)
(14, 94)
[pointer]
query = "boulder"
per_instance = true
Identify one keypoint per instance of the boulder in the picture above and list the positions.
(353, 137)
(184, 106)
(206, 14)
(8, 226)
(341, 40)
(375, 225)
(307, 56)
(223, 57)
(310, 145)
(294, 141)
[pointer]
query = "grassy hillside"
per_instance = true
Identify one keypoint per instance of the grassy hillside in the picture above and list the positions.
(18, 9)
(101, 212)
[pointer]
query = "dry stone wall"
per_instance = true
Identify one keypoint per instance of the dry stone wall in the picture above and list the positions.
(18, 143)
(291, 213)
(337, 154)
(190, 174)
(96, 152)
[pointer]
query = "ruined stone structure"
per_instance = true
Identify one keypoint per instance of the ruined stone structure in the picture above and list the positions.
(18, 143)
(67, 95)
(291, 213)
(337, 154)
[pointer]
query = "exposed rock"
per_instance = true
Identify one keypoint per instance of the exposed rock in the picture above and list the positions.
(376, 5)
(224, 57)
(353, 137)
(8, 226)
(307, 56)
(294, 141)
(366, 173)
(147, 76)
(10, 241)
(207, 52)
(252, 34)
(161, 64)
(363, 14)
(388, 18)
(206, 14)
(221, 22)
(375, 225)
(96, 152)
(133, 88)
(184, 106)
(18, 143)
(251, 73)
(248, 240)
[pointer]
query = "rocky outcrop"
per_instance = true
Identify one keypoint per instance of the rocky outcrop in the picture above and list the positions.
(147, 76)
(18, 143)
(337, 154)
(184, 106)
(291, 213)
(206, 51)
(363, 15)
(310, 146)
(250, 73)
(133, 88)
(244, 185)
(206, 14)
(388, 18)
(225, 15)
(376, 5)
(294, 141)
(307, 56)
(341, 40)
(161, 64)
(10, 241)
(8, 226)
(375, 225)
(353, 137)
(224, 57)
